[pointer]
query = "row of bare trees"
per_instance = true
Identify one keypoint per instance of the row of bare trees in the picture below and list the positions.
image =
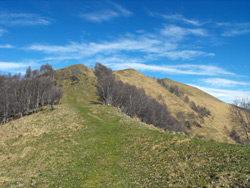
(133, 101)
(201, 110)
(20, 96)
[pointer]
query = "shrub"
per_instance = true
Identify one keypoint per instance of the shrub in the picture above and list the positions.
(235, 137)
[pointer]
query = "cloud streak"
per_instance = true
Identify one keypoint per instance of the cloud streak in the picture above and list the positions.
(184, 69)
(153, 46)
(149, 46)
(10, 66)
(180, 18)
(107, 14)
(178, 33)
(7, 46)
(224, 94)
(227, 29)
(221, 82)
(23, 19)
(234, 29)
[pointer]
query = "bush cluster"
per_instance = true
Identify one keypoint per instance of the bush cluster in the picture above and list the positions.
(233, 134)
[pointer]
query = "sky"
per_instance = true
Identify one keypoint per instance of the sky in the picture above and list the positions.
(203, 43)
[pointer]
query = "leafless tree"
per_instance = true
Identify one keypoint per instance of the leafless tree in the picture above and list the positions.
(106, 83)
(241, 114)
(58, 93)
(47, 70)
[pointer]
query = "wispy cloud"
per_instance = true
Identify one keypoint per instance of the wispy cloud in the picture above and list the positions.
(7, 46)
(103, 47)
(23, 19)
(178, 33)
(180, 18)
(114, 11)
(185, 54)
(221, 82)
(235, 32)
(184, 69)
(229, 29)
(123, 11)
(234, 29)
(15, 67)
(148, 46)
(224, 94)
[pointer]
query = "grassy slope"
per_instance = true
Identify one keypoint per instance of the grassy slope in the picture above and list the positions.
(84, 144)
(215, 127)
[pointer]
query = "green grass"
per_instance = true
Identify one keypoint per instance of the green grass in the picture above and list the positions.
(85, 144)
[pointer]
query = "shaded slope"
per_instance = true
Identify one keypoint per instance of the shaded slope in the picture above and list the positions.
(85, 144)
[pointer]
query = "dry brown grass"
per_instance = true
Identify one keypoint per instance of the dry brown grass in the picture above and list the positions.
(215, 127)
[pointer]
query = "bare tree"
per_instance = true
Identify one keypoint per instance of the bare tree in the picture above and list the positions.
(241, 114)
(106, 83)
(58, 93)
(28, 73)
(47, 70)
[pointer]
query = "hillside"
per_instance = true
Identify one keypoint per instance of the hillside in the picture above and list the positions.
(217, 126)
(85, 144)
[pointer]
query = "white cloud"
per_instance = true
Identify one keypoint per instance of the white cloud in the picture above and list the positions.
(235, 32)
(185, 54)
(6, 66)
(6, 46)
(221, 82)
(228, 29)
(107, 14)
(19, 67)
(200, 32)
(185, 69)
(122, 10)
(100, 16)
(144, 44)
(24, 19)
(223, 94)
(156, 46)
(180, 18)
(178, 33)
(234, 29)
(153, 46)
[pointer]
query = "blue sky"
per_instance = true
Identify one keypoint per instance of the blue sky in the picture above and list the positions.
(202, 43)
